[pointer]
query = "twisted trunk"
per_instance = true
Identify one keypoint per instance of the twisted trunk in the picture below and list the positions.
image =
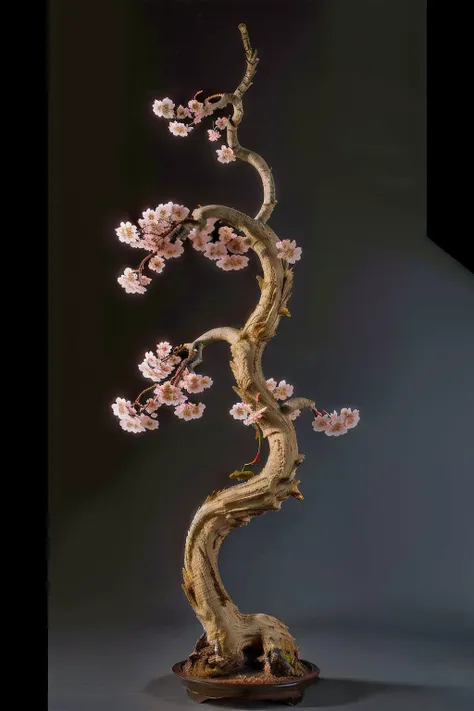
(230, 637)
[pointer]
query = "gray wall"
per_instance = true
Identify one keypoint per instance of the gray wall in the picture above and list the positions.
(381, 320)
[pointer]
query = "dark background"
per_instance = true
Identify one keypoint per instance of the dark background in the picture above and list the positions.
(381, 320)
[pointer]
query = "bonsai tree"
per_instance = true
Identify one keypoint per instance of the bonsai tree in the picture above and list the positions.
(232, 641)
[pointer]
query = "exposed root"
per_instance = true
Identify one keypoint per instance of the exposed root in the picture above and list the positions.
(266, 650)
(206, 662)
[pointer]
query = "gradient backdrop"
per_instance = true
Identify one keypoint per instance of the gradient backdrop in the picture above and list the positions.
(382, 546)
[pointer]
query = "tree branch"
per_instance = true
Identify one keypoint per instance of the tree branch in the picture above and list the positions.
(296, 403)
(251, 157)
(195, 349)
(224, 333)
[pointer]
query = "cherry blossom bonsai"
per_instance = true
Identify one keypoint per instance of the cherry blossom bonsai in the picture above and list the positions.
(252, 646)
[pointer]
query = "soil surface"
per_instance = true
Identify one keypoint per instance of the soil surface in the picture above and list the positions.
(251, 677)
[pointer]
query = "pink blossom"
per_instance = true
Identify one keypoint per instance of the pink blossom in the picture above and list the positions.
(225, 154)
(182, 112)
(320, 423)
(184, 411)
(163, 349)
(155, 369)
(179, 212)
(149, 216)
(226, 233)
(132, 424)
(195, 383)
(149, 372)
(240, 411)
(271, 384)
(179, 129)
(213, 135)
(288, 251)
(122, 408)
(153, 228)
(199, 239)
(163, 108)
(190, 410)
(170, 250)
(174, 360)
(166, 367)
(195, 106)
(336, 425)
(197, 409)
(149, 242)
(156, 264)
(152, 360)
(151, 405)
(283, 391)
(232, 262)
(169, 394)
(198, 117)
(164, 211)
(215, 250)
(222, 122)
(295, 414)
(255, 416)
(207, 109)
(350, 417)
(152, 241)
(127, 233)
(237, 245)
(130, 282)
(149, 423)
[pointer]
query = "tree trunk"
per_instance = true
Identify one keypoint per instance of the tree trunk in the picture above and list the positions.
(232, 640)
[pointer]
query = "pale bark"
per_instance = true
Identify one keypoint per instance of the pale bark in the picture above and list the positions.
(255, 160)
(227, 631)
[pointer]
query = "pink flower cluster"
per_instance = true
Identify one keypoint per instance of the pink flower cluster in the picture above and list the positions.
(194, 112)
(151, 235)
(242, 411)
(288, 251)
(334, 424)
(280, 391)
(158, 365)
(226, 248)
(227, 252)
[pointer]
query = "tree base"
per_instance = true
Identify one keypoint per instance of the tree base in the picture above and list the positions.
(250, 686)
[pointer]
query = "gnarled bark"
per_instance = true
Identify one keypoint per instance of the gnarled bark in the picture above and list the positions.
(228, 633)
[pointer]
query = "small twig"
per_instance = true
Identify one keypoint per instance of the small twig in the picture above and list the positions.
(214, 96)
(245, 39)
(198, 359)
(144, 261)
(137, 400)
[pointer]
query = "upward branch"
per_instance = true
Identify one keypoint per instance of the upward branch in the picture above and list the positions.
(251, 157)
